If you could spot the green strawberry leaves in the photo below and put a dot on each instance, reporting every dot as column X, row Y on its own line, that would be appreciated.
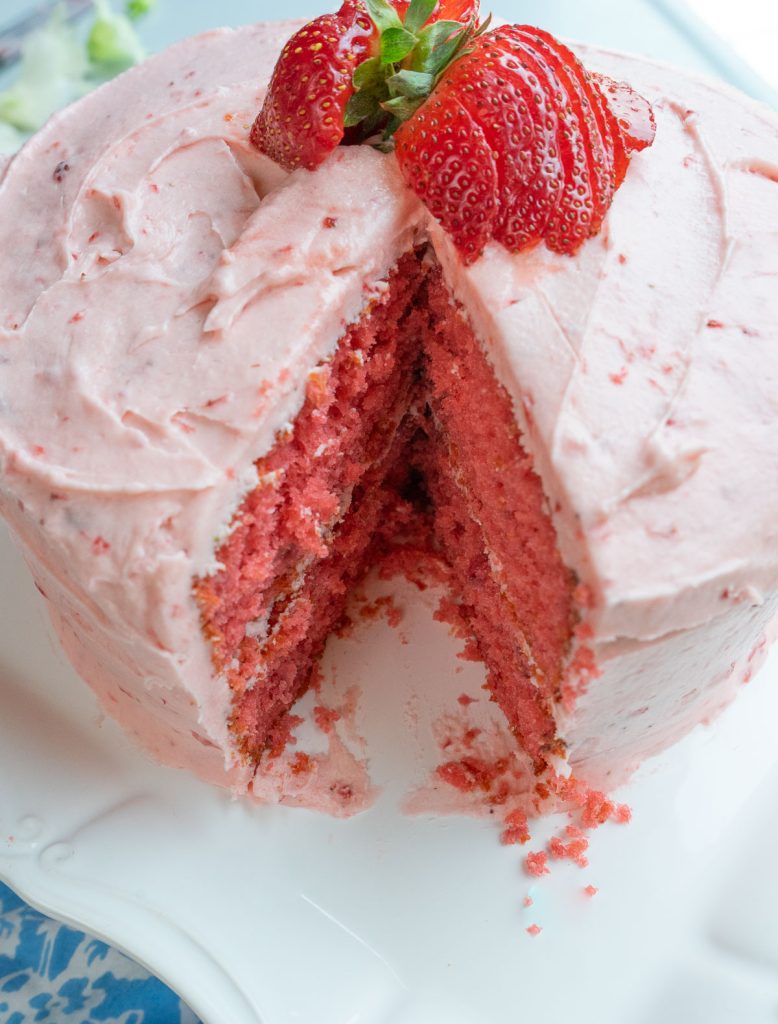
column 369, row 74
column 396, row 44
column 383, row 15
column 402, row 108
column 412, row 84
column 361, row 107
column 390, row 88
column 438, row 44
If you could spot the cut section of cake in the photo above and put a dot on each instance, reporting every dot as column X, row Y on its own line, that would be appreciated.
column 225, row 387
column 303, row 537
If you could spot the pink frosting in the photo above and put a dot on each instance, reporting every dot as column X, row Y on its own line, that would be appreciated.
column 168, row 298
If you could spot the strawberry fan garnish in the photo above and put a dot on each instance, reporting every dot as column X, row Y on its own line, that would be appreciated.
column 503, row 134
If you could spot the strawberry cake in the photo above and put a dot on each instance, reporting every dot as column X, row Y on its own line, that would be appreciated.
column 238, row 359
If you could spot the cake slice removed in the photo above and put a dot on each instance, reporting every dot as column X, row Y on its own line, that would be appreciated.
column 409, row 390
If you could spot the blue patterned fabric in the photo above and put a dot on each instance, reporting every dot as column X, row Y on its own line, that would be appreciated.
column 53, row 974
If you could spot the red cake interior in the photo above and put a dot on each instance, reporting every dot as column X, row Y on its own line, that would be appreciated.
column 408, row 398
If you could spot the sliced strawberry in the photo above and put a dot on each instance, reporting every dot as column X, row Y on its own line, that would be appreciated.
column 559, row 141
column 446, row 156
column 520, row 126
column 620, row 155
column 595, row 131
column 526, row 217
column 633, row 113
column 569, row 223
column 301, row 121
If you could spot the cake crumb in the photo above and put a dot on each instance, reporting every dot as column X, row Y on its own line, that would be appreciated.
column 345, row 628
column 467, row 774
column 597, row 809
column 449, row 612
column 516, row 829
column 301, row 764
column 623, row 814
column 533, row 930
column 316, row 678
column 470, row 652
column 385, row 606
column 394, row 615
column 582, row 671
column 584, row 596
column 536, row 864
column 282, row 735
column 325, row 718
column 470, row 736
column 527, row 902
column 575, row 850
column 591, row 890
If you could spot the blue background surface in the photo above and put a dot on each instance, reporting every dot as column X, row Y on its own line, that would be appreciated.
column 50, row 972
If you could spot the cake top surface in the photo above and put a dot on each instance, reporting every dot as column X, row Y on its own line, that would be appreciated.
column 171, row 290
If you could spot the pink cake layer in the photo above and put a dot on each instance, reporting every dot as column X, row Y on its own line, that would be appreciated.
column 301, row 538
column 491, row 521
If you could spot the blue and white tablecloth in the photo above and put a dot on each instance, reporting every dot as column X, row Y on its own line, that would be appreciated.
column 53, row 974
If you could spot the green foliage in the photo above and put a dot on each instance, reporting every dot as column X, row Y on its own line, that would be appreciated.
column 390, row 88
column 360, row 107
column 412, row 84
column 402, row 107
column 136, row 9
column 53, row 72
column 396, row 44
column 112, row 44
column 56, row 67
column 437, row 46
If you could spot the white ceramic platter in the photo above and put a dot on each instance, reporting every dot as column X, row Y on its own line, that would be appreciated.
column 275, row 914
column 283, row 916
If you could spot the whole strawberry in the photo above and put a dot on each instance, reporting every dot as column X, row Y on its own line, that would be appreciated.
column 302, row 118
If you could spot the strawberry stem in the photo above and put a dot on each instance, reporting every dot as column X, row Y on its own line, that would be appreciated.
column 390, row 88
